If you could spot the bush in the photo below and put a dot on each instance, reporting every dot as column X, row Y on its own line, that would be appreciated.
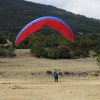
column 98, row 58
column 7, row 52
column 53, row 53
column 60, row 73
column 96, row 75
column 3, row 40
column 38, row 50
column 2, row 52
column 64, row 53
column 49, row 72
column 10, row 51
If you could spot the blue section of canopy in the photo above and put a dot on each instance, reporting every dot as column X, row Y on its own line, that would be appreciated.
column 44, row 18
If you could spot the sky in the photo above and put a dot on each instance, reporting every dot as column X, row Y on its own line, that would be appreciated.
column 88, row 8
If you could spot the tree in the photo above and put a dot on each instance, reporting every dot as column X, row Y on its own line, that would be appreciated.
column 2, row 52
column 98, row 58
column 38, row 50
column 11, row 51
column 64, row 52
column 53, row 53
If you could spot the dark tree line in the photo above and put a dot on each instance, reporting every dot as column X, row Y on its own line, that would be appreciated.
column 54, row 45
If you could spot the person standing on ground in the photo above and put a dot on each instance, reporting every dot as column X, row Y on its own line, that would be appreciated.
column 56, row 76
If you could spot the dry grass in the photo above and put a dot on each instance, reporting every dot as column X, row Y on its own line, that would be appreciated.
column 24, row 78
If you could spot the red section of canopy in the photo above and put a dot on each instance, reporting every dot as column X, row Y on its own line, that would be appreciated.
column 56, row 25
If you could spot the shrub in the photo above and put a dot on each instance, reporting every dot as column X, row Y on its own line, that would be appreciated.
column 98, row 58
column 10, row 51
column 38, row 50
column 64, row 52
column 53, row 53
column 96, row 75
column 49, row 72
column 2, row 53
column 60, row 73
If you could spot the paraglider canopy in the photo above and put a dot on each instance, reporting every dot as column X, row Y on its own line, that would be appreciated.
column 52, row 22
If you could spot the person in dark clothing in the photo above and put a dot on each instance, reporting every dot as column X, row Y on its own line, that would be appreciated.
column 56, row 76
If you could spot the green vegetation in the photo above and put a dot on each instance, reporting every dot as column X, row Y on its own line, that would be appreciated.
column 55, row 46
column 2, row 53
column 7, row 52
column 98, row 58
column 47, row 43
column 60, row 73
column 49, row 72
column 15, row 14
column 96, row 75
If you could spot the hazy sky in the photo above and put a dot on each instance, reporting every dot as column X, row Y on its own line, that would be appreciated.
column 88, row 8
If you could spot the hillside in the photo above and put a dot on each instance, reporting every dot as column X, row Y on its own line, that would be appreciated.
column 14, row 14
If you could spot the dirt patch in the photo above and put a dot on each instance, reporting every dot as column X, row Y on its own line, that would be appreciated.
column 23, row 53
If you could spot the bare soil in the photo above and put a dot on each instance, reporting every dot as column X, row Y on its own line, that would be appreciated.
column 25, row 77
